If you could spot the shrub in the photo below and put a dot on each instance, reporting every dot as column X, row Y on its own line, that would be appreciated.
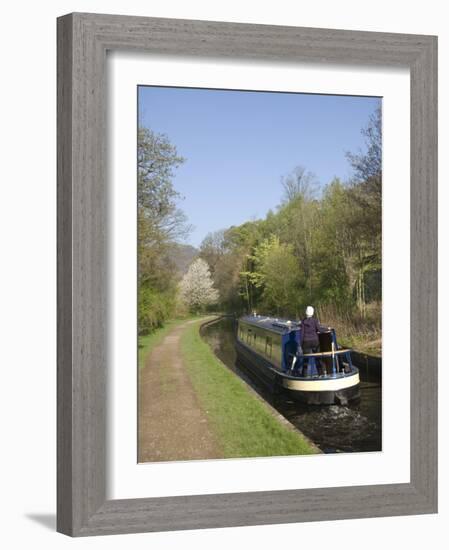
column 154, row 308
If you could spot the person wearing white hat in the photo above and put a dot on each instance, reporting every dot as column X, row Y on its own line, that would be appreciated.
column 310, row 311
column 309, row 333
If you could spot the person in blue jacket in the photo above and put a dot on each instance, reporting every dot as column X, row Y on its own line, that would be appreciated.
column 291, row 350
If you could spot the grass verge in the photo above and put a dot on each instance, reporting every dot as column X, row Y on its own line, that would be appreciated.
column 242, row 424
column 361, row 334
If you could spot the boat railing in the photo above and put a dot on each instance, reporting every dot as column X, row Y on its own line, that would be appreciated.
column 309, row 361
column 327, row 353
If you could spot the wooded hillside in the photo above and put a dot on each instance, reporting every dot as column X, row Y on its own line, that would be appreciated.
column 320, row 246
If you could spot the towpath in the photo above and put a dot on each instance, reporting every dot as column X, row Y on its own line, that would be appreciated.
column 172, row 425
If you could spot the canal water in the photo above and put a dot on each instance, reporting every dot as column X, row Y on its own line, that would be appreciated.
column 335, row 428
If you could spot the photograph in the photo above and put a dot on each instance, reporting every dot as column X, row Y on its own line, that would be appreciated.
column 259, row 239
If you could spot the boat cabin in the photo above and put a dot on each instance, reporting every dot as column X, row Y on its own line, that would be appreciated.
column 276, row 340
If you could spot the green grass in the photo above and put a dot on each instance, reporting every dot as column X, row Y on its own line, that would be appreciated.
column 242, row 423
column 360, row 334
column 148, row 342
column 362, row 344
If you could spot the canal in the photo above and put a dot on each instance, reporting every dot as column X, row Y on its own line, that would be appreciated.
column 335, row 428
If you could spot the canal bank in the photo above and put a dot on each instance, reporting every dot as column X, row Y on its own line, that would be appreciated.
column 370, row 365
column 353, row 428
column 192, row 407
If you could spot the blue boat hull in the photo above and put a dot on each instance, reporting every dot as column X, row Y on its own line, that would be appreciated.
column 324, row 390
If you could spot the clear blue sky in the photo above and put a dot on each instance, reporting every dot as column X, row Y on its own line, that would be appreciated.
column 238, row 145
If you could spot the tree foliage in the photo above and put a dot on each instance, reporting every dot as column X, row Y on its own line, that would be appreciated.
column 196, row 287
column 276, row 272
column 321, row 248
column 321, row 245
column 160, row 225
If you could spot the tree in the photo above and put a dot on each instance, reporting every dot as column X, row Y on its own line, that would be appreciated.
column 299, row 183
column 276, row 272
column 160, row 224
column 366, row 195
column 156, row 160
column 335, row 243
column 366, row 188
column 212, row 249
column 160, row 219
column 298, row 218
column 196, row 287
column 368, row 166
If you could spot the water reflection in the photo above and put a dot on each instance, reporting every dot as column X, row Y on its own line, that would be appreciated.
column 335, row 428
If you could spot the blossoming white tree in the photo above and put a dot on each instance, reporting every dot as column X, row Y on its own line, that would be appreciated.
column 196, row 287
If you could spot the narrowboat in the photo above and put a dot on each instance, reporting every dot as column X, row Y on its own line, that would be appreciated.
column 264, row 345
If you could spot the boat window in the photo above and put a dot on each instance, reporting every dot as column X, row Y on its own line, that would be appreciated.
column 268, row 346
column 248, row 336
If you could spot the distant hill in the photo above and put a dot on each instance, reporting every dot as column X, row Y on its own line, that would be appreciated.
column 182, row 256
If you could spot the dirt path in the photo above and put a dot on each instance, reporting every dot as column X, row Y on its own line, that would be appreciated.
column 172, row 425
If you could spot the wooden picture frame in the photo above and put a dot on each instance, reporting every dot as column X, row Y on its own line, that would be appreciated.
column 83, row 40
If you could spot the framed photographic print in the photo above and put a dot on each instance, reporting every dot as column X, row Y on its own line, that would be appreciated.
column 246, row 274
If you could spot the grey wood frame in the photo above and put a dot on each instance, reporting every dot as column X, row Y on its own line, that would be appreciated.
column 83, row 40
